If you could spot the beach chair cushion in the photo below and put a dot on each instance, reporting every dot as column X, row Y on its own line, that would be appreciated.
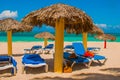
column 5, row 58
column 98, row 57
column 79, row 49
column 49, row 46
column 36, row 47
column 7, row 62
column 33, row 49
column 32, row 59
column 8, row 59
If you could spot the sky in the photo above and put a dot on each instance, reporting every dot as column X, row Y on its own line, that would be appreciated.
column 104, row 13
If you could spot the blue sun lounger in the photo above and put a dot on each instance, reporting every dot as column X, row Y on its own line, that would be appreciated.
column 34, row 48
column 78, row 59
column 8, row 62
column 70, row 47
column 48, row 48
column 80, row 51
column 33, row 61
column 93, row 48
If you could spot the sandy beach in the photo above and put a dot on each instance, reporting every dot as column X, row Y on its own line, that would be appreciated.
column 109, row 71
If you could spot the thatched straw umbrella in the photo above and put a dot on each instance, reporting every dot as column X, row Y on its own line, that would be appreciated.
column 105, row 37
column 10, row 25
column 95, row 30
column 45, row 35
column 61, row 17
column 73, row 18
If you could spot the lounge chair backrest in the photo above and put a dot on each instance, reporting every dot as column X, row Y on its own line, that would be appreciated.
column 69, row 47
column 36, row 47
column 78, row 48
column 8, row 59
column 5, row 58
column 49, row 46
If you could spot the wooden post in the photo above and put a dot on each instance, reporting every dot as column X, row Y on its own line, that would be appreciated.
column 59, row 42
column 9, row 37
column 45, row 42
column 85, row 40
column 105, row 43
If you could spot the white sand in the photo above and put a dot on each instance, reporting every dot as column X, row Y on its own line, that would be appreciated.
column 109, row 71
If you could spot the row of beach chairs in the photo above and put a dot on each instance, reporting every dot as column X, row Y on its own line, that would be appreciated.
column 39, row 49
column 35, row 60
column 28, row 60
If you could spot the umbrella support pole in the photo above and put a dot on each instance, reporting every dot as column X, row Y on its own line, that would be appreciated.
column 9, row 37
column 85, row 40
column 45, row 42
column 59, row 42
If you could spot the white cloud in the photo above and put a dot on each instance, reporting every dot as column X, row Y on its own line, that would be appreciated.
column 109, row 28
column 101, row 25
column 8, row 14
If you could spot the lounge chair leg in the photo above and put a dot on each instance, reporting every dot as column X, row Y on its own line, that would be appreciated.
column 15, row 71
column 105, row 61
column 41, row 51
column 46, row 68
column 99, row 61
column 89, row 64
column 73, row 64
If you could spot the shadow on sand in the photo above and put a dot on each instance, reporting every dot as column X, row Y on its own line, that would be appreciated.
column 88, row 76
column 5, row 73
column 98, row 76
column 52, row 78
column 114, row 70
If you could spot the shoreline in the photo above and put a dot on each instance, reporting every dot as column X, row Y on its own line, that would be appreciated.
column 66, row 38
column 54, row 41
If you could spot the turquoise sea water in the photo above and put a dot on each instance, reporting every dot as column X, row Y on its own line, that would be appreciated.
column 29, row 37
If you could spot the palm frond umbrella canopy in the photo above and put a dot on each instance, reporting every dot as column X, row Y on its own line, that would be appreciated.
column 10, row 25
column 95, row 30
column 60, row 16
column 105, row 37
column 74, row 18
column 45, row 35
column 13, row 25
